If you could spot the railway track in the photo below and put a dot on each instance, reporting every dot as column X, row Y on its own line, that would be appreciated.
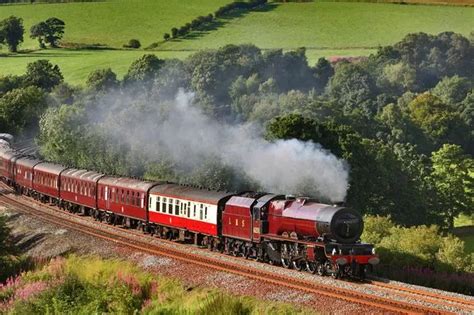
column 426, row 295
column 138, row 241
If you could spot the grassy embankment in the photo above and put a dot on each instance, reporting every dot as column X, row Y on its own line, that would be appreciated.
column 325, row 28
column 94, row 286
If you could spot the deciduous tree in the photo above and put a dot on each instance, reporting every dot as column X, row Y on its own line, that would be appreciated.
column 11, row 32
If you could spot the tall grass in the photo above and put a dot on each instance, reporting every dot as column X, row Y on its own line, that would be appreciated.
column 88, row 285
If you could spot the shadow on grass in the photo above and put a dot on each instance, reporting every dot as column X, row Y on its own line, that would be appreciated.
column 221, row 22
column 47, row 53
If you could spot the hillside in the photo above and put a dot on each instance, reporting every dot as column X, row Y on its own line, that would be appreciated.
column 113, row 22
column 340, row 28
column 324, row 28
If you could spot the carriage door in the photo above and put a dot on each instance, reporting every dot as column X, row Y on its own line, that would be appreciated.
column 256, row 224
column 107, row 197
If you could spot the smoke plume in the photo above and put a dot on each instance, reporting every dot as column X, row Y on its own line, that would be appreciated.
column 190, row 137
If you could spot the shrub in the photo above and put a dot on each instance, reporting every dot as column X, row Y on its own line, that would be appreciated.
column 133, row 43
column 166, row 36
column 174, row 32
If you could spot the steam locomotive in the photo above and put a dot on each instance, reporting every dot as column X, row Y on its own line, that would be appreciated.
column 298, row 233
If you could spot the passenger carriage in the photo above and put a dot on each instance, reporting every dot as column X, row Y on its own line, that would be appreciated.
column 123, row 200
column 191, row 212
column 6, row 163
column 46, row 181
column 79, row 190
column 23, row 171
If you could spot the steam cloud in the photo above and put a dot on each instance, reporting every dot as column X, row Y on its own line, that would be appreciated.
column 284, row 166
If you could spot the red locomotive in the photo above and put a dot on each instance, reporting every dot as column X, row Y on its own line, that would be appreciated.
column 297, row 233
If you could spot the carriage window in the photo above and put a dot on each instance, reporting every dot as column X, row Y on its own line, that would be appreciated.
column 157, row 204
column 176, row 207
column 194, row 211
column 200, row 212
column 189, row 209
column 205, row 213
column 170, row 206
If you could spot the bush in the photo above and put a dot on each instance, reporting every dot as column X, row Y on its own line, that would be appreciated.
column 166, row 36
column 174, row 32
column 93, row 286
column 133, row 43
column 420, row 255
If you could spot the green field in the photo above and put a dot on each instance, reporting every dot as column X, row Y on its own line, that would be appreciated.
column 325, row 28
column 77, row 64
column 113, row 22
column 326, row 25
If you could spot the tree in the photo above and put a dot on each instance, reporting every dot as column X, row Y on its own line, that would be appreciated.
column 166, row 36
column 10, row 82
column 102, row 80
column 21, row 109
column 55, row 31
column 174, row 32
column 11, row 32
column 133, row 43
column 49, row 31
column 353, row 88
column 452, row 90
column 323, row 71
column 436, row 118
column 43, row 74
column 143, row 69
column 38, row 31
column 453, row 177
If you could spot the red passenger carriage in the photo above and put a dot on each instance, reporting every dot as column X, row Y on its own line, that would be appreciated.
column 7, row 156
column 23, row 173
column 123, row 200
column 46, row 181
column 79, row 189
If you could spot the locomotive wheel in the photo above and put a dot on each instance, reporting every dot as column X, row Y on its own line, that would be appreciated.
column 336, row 274
column 321, row 269
column 297, row 264
column 311, row 267
column 285, row 262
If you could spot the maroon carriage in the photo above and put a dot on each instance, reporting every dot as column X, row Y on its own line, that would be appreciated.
column 46, row 178
column 23, row 171
column 7, row 155
column 187, row 208
column 79, row 189
column 123, row 200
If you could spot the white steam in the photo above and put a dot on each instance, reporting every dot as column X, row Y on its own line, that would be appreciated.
column 284, row 166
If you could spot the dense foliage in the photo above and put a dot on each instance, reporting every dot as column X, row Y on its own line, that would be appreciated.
column 402, row 118
column 419, row 252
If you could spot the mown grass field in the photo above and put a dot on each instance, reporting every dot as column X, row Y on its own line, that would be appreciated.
column 77, row 64
column 325, row 28
column 333, row 25
column 113, row 22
